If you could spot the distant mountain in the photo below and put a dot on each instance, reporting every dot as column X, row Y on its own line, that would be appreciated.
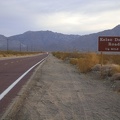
column 45, row 40
column 52, row 41
column 90, row 42
column 3, row 42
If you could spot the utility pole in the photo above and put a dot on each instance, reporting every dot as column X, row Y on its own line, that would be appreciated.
column 7, row 45
column 27, row 48
column 20, row 47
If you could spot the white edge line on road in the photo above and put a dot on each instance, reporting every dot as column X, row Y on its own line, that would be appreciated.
column 14, row 83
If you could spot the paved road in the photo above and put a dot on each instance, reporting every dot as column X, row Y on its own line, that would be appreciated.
column 10, row 71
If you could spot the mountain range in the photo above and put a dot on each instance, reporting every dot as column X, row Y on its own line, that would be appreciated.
column 53, row 41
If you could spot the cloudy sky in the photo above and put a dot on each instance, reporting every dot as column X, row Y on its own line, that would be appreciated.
column 64, row 16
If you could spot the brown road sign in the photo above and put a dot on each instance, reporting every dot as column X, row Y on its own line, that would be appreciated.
column 109, row 43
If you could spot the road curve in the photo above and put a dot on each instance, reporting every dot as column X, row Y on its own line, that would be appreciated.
column 15, row 71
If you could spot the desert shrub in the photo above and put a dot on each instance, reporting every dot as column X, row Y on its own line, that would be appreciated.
column 115, row 69
column 57, row 54
column 116, row 76
column 65, row 56
column 82, row 65
column 61, row 55
column 86, row 63
column 96, row 67
column 74, row 61
column 108, row 69
column 116, row 79
column 4, row 55
column 75, row 54
column 111, row 59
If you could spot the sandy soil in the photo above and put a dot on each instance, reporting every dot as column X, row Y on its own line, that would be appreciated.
column 61, row 93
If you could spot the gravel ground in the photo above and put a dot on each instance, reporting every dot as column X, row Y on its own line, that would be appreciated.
column 61, row 93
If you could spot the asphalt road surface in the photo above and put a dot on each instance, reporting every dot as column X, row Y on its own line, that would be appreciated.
column 10, row 71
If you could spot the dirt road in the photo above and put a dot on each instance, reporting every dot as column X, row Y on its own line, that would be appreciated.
column 61, row 93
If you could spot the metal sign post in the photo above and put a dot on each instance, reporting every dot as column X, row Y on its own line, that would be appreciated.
column 101, row 64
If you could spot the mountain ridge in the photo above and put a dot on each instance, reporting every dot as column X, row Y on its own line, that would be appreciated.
column 53, row 41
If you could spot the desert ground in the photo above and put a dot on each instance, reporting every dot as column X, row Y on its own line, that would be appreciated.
column 62, row 93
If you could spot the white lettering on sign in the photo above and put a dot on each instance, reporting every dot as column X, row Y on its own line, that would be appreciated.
column 113, row 44
column 109, row 43
column 117, row 39
column 106, row 39
column 114, row 49
column 107, row 49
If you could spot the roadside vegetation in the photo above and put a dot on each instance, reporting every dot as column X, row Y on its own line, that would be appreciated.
column 87, row 62
column 15, row 53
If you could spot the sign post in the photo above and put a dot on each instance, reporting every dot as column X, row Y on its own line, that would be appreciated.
column 108, row 44
column 101, row 62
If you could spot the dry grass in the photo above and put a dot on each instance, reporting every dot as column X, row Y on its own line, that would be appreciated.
column 74, row 61
column 15, row 53
column 85, row 64
column 86, row 61
column 111, row 59
column 61, row 55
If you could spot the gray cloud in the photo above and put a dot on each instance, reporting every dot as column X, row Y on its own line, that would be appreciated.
column 66, row 16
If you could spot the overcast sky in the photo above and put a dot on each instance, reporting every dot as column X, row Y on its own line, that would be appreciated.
column 64, row 16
